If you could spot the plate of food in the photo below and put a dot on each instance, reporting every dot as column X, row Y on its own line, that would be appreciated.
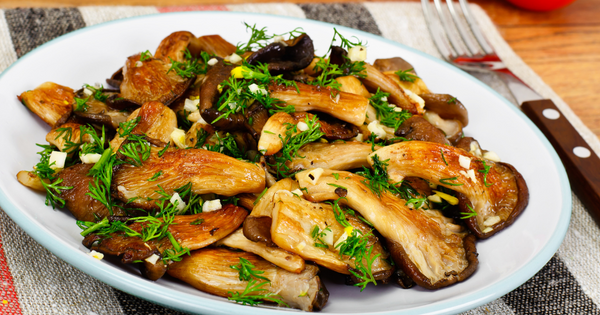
column 232, row 162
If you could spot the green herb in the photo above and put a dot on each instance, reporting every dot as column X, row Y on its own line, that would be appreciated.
column 355, row 246
column 452, row 100
column 155, row 176
column 164, row 150
column 191, row 67
column 137, row 151
column 81, row 105
column 228, row 146
column 485, row 171
column 470, row 214
column 336, row 176
column 337, row 186
column 376, row 178
column 52, row 190
column 261, row 195
column 417, row 202
column 197, row 222
column 102, row 172
column 292, row 142
column 345, row 42
column 406, row 75
column 201, row 137
column 125, row 128
column 67, row 134
column 317, row 235
column 445, row 181
column 254, row 293
column 98, row 95
column 259, row 38
column 146, row 55
column 443, row 158
column 386, row 114
column 175, row 253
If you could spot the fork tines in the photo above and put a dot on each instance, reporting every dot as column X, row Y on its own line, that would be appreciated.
column 454, row 31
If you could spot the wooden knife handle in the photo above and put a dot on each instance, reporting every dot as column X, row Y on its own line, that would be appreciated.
column 584, row 172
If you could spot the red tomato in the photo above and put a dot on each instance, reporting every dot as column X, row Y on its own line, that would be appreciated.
column 540, row 5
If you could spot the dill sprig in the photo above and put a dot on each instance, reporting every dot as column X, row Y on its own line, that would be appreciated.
column 259, row 38
column 406, row 75
column 293, row 141
column 254, row 293
column 386, row 114
column 355, row 246
column 317, row 235
column 485, row 171
column 191, row 67
column 137, row 151
column 471, row 213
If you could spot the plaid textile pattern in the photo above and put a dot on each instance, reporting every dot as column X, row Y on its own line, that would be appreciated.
column 568, row 284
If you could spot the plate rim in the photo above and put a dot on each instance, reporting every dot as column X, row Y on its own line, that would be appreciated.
column 151, row 290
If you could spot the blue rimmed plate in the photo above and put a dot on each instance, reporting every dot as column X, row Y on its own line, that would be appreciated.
column 92, row 54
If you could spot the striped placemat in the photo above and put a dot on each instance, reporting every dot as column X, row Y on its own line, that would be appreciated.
column 33, row 281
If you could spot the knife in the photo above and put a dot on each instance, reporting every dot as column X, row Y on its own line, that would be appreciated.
column 580, row 161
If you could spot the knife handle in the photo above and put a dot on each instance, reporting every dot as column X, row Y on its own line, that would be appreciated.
column 584, row 172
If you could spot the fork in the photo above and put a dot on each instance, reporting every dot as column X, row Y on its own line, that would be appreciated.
column 461, row 43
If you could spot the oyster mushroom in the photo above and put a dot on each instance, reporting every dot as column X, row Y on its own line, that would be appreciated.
column 428, row 250
column 173, row 47
column 49, row 101
column 417, row 128
column 279, row 257
column 344, row 106
column 336, row 156
column 375, row 79
column 209, row 270
column 295, row 219
column 257, row 226
column 292, row 55
column 151, row 80
column 207, row 171
column 215, row 45
column 496, row 192
column 214, row 226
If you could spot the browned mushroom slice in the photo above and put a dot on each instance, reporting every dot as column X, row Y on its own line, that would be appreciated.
column 31, row 180
column 199, row 135
column 67, row 137
column 496, row 192
column 446, row 106
column 209, row 270
column 375, row 79
column 151, row 80
column 345, row 106
column 99, row 113
column 333, row 128
column 276, row 126
column 209, row 172
column 351, row 84
column 50, row 101
column 173, row 47
column 428, row 250
column 154, row 120
column 257, row 226
column 336, row 156
column 417, row 128
column 77, row 201
column 191, row 231
column 215, row 45
column 293, row 55
column 279, row 257
column 209, row 91
column 295, row 219
column 392, row 64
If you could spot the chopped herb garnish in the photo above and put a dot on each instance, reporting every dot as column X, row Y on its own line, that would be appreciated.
column 443, row 158
column 445, row 181
column 317, row 235
column 155, row 176
column 386, row 114
column 259, row 38
column 81, row 104
column 406, row 75
column 254, row 293
column 197, row 221
column 146, row 55
column 466, row 215
column 485, row 171
column 452, row 100
column 126, row 127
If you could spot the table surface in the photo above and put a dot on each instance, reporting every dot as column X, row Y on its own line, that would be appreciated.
column 562, row 46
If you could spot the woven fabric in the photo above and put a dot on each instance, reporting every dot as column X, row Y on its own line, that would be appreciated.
column 36, row 282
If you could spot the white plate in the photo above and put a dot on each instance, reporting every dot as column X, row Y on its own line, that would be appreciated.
column 92, row 54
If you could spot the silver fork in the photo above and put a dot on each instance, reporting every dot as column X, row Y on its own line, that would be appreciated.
column 460, row 42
